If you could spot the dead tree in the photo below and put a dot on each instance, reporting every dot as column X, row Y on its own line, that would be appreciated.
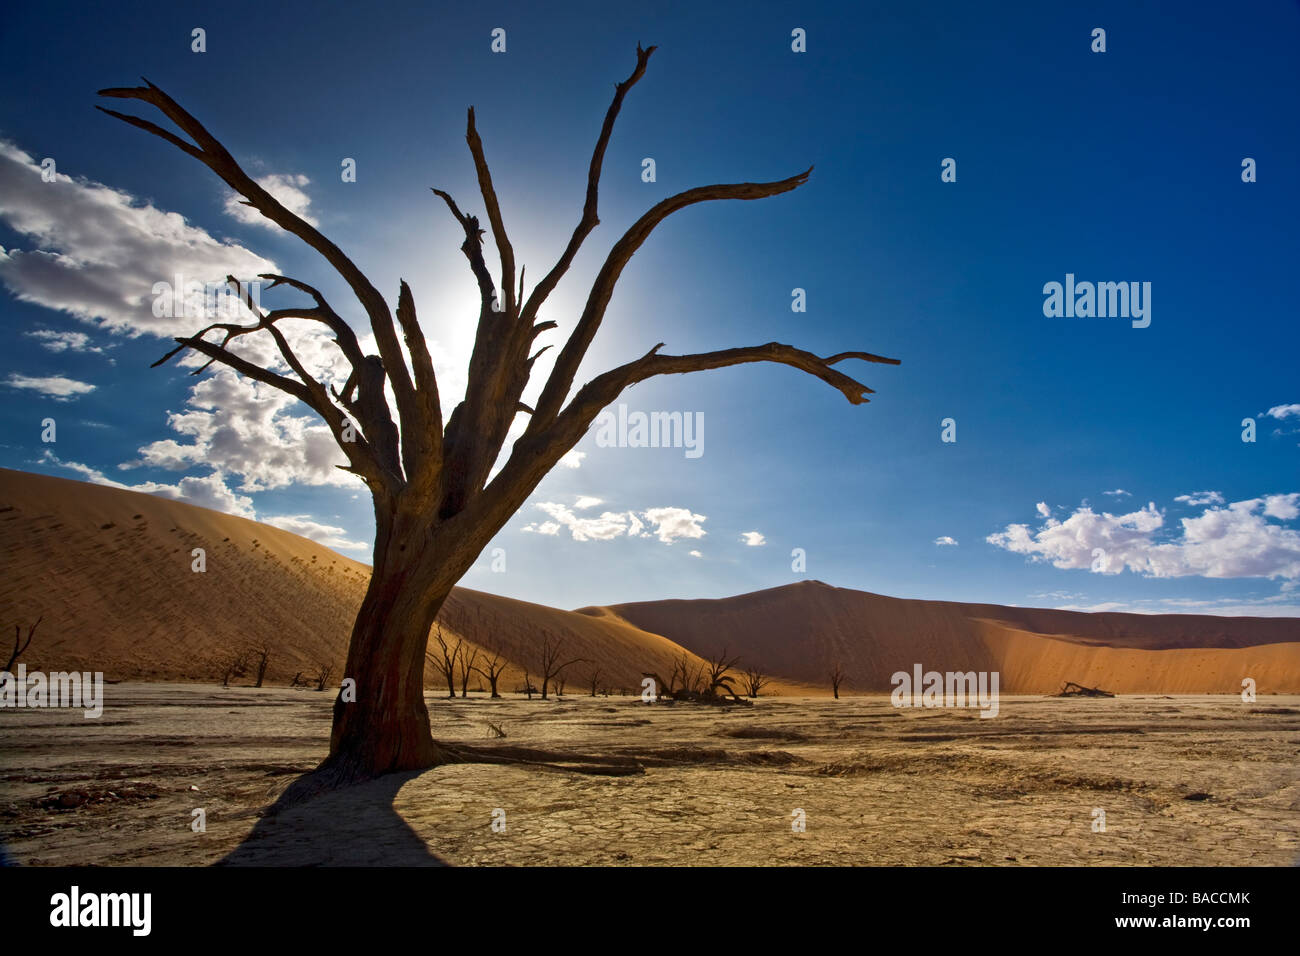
column 438, row 500
column 685, row 676
column 659, row 690
column 323, row 673
column 528, row 684
column 444, row 661
column 263, row 655
column 754, row 682
column 718, row 676
column 593, row 679
column 1071, row 689
column 468, row 655
column 19, row 651
column 837, row 678
column 492, row 669
column 234, row 664
column 549, row 659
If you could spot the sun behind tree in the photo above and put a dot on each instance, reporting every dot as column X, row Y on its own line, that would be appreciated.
column 435, row 509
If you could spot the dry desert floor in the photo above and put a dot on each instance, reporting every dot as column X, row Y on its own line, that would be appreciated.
column 1181, row 780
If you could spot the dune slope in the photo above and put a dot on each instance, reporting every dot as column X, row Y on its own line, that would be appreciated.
column 801, row 630
column 110, row 573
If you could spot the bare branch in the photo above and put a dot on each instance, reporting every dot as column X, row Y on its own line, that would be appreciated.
column 575, row 348
column 655, row 364
column 472, row 247
column 21, row 648
column 504, row 249
column 361, row 456
column 539, row 449
column 216, row 157
column 422, row 446
column 589, row 219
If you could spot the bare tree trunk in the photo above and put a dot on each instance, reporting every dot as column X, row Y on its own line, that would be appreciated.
column 386, row 727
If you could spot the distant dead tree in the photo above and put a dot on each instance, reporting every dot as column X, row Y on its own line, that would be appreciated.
column 683, row 679
column 593, row 679
column 837, row 678
column 492, row 669
column 445, row 659
column 559, row 685
column 549, row 658
column 234, row 663
column 718, row 675
column 685, row 676
column 262, row 655
column 439, row 497
column 708, row 683
column 298, row 680
column 528, row 687
column 754, row 681
column 468, row 655
column 19, row 651
column 1071, row 689
column 323, row 673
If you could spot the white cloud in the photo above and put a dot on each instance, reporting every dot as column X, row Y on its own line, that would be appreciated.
column 1043, row 510
column 666, row 524
column 669, row 524
column 57, row 387
column 247, row 428
column 695, row 554
column 1118, row 493
column 1283, row 411
column 608, row 525
column 286, row 188
column 753, row 539
column 1285, row 507
column 97, row 251
column 1225, row 607
column 206, row 492
column 63, row 341
column 587, row 501
column 946, row 541
column 325, row 534
column 1236, row 541
column 1197, row 498
column 573, row 459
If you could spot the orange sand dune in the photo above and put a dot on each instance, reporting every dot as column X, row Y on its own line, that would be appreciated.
column 800, row 630
column 110, row 571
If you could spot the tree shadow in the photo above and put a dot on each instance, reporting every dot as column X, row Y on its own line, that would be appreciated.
column 349, row 826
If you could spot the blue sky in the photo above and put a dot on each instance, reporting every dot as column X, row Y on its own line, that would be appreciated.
column 1117, row 166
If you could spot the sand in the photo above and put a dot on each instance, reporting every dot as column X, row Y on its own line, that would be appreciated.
column 1182, row 780
column 1185, row 770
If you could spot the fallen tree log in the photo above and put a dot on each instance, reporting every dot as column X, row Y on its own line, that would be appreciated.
column 1071, row 689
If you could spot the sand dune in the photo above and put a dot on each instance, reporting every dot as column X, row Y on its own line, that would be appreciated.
column 110, row 571
column 800, row 630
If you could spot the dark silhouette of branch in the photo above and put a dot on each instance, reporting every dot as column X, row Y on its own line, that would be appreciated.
column 20, row 650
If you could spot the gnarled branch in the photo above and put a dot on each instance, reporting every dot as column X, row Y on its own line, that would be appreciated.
column 575, row 348
column 590, row 219
column 208, row 150
column 504, row 249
